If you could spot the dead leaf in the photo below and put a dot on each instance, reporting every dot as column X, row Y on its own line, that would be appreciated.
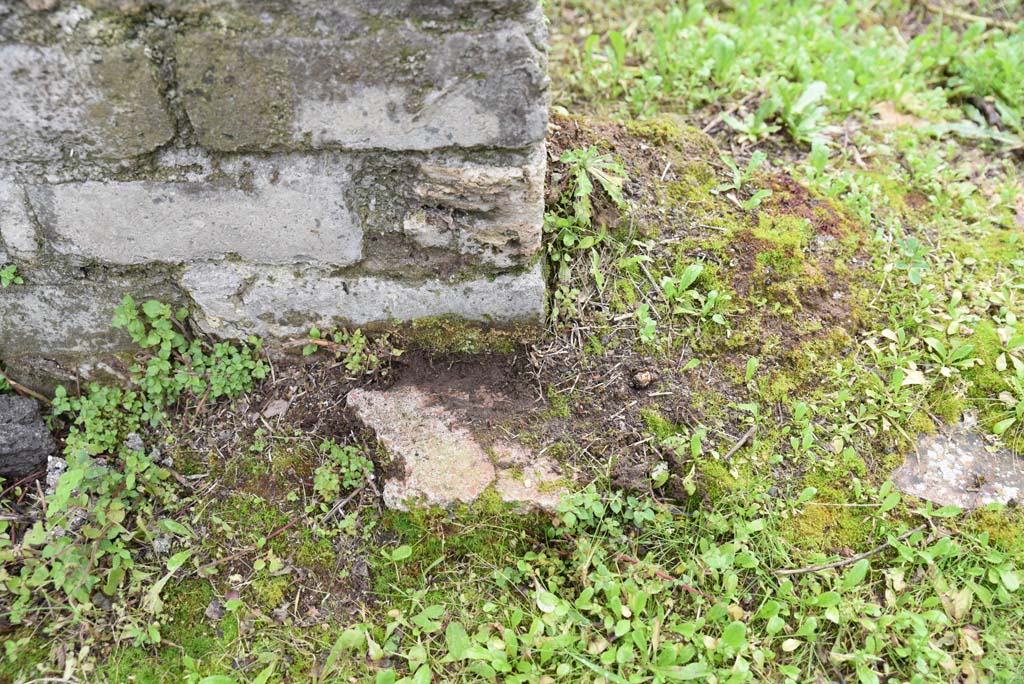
column 276, row 408
column 890, row 117
column 914, row 377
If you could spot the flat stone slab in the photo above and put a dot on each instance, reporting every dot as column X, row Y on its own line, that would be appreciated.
column 440, row 462
column 956, row 467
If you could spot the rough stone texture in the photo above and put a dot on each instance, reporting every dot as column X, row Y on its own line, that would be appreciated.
column 956, row 467
column 437, row 461
column 92, row 101
column 53, row 334
column 271, row 165
column 17, row 233
column 297, row 214
column 25, row 442
column 237, row 300
column 494, row 212
column 463, row 89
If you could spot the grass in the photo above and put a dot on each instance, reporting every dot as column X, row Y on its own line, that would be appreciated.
column 831, row 268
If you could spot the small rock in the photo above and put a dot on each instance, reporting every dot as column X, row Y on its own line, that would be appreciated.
column 134, row 442
column 162, row 545
column 441, row 462
column 55, row 467
column 214, row 611
column 25, row 441
column 101, row 601
column 643, row 379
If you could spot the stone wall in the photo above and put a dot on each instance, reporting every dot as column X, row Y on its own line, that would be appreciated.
column 271, row 164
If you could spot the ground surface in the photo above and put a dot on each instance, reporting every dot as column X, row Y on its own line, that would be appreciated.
column 815, row 265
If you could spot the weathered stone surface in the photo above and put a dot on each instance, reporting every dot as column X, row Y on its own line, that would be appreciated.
column 25, row 442
column 237, row 300
column 288, row 211
column 956, row 467
column 52, row 334
column 62, row 318
column 495, row 213
column 17, row 233
column 272, row 165
column 326, row 10
column 101, row 102
column 438, row 461
column 465, row 89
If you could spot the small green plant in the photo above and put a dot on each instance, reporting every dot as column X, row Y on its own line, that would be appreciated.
column 740, row 177
column 755, row 126
column 913, row 259
column 343, row 468
column 173, row 365
column 585, row 167
column 113, row 496
column 9, row 276
column 1012, row 399
column 800, row 109
column 361, row 355
column 570, row 226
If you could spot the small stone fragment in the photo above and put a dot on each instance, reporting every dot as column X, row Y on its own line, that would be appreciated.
column 214, row 611
column 442, row 463
column 25, row 441
column 642, row 379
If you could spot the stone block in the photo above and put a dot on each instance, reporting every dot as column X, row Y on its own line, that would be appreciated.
column 71, row 317
column 428, row 442
column 91, row 102
column 235, row 300
column 267, row 211
column 404, row 89
column 61, row 333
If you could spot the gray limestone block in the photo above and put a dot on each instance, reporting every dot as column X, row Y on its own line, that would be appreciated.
column 408, row 89
column 267, row 211
column 89, row 102
column 25, row 441
column 60, row 333
column 235, row 300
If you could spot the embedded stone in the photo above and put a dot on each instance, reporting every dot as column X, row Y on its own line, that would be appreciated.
column 239, row 300
column 25, row 441
column 957, row 467
column 437, row 460
column 291, row 92
column 17, row 233
column 495, row 213
column 284, row 212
